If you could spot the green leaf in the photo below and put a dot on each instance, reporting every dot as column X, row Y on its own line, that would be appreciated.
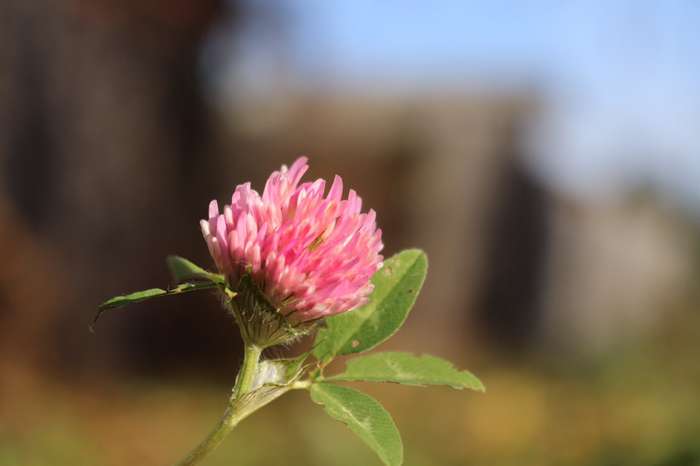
column 364, row 416
column 138, row 296
column 396, row 286
column 408, row 369
column 184, row 270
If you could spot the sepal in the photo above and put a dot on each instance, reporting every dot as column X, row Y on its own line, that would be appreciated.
column 260, row 322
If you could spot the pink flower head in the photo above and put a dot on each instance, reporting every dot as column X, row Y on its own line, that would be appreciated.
column 312, row 254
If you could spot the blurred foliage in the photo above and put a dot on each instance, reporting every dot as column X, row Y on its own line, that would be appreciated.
column 635, row 406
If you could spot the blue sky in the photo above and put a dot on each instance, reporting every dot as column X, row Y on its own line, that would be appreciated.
column 621, row 80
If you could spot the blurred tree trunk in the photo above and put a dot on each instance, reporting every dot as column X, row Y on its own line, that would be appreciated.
column 105, row 148
column 510, row 301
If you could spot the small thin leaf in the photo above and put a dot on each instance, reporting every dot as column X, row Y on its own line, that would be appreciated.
column 138, row 296
column 364, row 416
column 396, row 286
column 132, row 298
column 408, row 369
column 184, row 270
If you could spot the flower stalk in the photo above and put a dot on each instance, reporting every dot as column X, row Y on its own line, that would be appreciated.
column 234, row 412
column 244, row 382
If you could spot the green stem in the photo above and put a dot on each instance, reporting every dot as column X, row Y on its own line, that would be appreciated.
column 246, row 375
column 232, row 416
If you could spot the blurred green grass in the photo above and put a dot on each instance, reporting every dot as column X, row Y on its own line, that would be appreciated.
column 635, row 406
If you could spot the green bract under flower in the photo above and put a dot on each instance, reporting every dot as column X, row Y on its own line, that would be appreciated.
column 260, row 322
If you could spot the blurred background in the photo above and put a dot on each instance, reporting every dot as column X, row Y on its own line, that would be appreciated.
column 545, row 155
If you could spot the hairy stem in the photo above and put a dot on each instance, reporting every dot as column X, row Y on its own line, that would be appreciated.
column 232, row 416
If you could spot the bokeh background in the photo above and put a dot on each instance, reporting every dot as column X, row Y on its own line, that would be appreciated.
column 545, row 154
